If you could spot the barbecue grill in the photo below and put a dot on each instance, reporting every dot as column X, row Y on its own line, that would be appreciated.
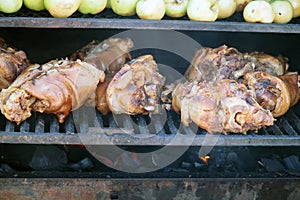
column 44, row 38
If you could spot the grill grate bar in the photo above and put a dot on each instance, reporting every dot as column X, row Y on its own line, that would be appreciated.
column 112, row 122
column 274, row 130
column 84, row 124
column 293, row 120
column 98, row 121
column 262, row 131
column 171, row 125
column 127, row 123
column 54, row 125
column 39, row 124
column 286, row 127
column 25, row 126
column 69, row 125
column 142, row 124
column 10, row 127
column 45, row 129
column 158, row 126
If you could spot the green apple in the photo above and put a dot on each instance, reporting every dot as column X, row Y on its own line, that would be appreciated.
column 226, row 8
column 36, row 5
column 176, row 8
column 283, row 11
column 92, row 6
column 258, row 11
column 10, row 6
column 62, row 8
column 108, row 5
column 124, row 7
column 296, row 7
column 203, row 10
column 151, row 9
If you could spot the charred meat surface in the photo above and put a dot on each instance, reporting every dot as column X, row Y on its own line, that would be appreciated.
column 276, row 94
column 12, row 63
column 228, row 63
column 221, row 107
column 56, row 87
column 136, row 88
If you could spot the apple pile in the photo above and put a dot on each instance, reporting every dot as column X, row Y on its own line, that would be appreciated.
column 269, row 11
column 57, row 8
column 263, row 11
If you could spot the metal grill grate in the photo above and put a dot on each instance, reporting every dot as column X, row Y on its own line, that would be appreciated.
column 136, row 130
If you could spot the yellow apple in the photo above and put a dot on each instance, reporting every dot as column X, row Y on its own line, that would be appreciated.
column 124, row 7
column 176, row 8
column 36, row 5
column 203, row 10
column 296, row 7
column 259, row 11
column 10, row 6
column 61, row 8
column 92, row 6
column 226, row 8
column 283, row 11
column 151, row 9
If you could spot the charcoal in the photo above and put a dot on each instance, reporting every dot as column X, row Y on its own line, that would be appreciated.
column 177, row 170
column 6, row 168
column 186, row 165
column 272, row 165
column 292, row 165
column 82, row 165
column 199, row 165
column 48, row 158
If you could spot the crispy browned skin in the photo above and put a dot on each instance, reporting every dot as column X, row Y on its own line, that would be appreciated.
column 109, row 55
column 136, row 87
column 56, row 87
column 276, row 94
column 227, row 62
column 12, row 63
column 101, row 101
column 291, row 80
column 220, row 107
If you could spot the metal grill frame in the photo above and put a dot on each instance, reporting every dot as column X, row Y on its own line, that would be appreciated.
column 107, row 19
column 284, row 133
column 47, row 130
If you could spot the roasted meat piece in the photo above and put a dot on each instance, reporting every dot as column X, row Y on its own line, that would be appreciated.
column 12, row 63
column 56, row 87
column 135, row 89
column 221, row 107
column 228, row 63
column 276, row 94
column 108, row 55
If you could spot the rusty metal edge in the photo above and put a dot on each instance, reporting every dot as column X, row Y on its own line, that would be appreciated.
column 151, row 139
column 92, row 23
column 216, row 188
